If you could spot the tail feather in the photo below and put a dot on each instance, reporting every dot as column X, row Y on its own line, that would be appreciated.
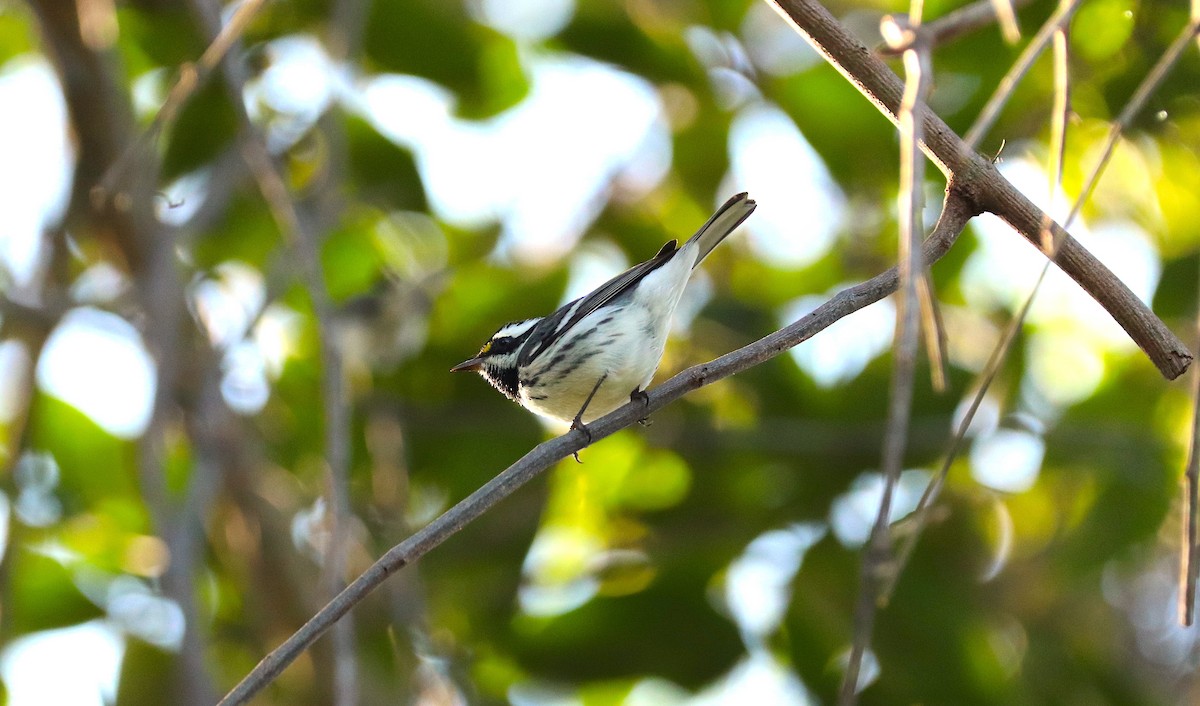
column 723, row 222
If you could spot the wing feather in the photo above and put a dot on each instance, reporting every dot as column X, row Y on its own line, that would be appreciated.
column 556, row 325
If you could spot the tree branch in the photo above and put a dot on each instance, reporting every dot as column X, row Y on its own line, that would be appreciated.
column 102, row 119
column 1189, row 550
column 879, row 559
column 955, row 215
column 963, row 21
column 303, row 236
column 1136, row 102
column 979, row 180
column 191, row 78
column 1008, row 84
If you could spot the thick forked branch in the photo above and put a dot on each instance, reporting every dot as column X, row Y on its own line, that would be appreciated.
column 981, row 182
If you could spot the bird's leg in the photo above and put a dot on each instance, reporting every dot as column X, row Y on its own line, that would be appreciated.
column 577, row 422
column 639, row 395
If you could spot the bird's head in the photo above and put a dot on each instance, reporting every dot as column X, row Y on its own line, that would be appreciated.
column 497, row 359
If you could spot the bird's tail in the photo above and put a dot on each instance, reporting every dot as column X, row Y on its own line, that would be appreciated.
column 727, row 218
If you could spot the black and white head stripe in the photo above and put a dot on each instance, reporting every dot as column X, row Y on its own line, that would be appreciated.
column 515, row 329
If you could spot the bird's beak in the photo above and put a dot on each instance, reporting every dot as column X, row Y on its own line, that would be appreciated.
column 472, row 365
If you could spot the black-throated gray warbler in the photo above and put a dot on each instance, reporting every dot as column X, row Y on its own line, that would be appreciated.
column 601, row 350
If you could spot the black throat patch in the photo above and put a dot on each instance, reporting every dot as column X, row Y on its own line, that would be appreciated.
column 503, row 378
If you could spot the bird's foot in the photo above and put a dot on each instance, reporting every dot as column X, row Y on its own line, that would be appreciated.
column 639, row 395
column 577, row 423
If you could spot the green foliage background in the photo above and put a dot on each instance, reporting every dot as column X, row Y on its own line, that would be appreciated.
column 664, row 509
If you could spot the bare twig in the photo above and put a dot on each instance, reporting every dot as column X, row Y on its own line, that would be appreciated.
column 102, row 118
column 31, row 325
column 987, row 117
column 1059, row 112
column 333, row 388
column 935, row 332
column 963, row 21
column 1135, row 105
column 877, row 561
column 957, row 213
column 921, row 513
column 978, row 178
column 1000, row 352
column 185, row 534
column 1189, row 551
column 302, row 238
column 1195, row 17
column 346, row 28
column 191, row 78
column 1006, row 15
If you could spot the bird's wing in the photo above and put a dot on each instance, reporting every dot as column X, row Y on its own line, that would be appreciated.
column 556, row 325
column 728, row 217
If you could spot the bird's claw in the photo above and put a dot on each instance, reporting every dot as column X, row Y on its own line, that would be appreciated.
column 577, row 424
column 639, row 395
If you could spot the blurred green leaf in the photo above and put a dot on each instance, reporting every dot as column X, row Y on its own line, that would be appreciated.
column 601, row 30
column 1102, row 28
column 16, row 33
column 145, row 674
column 382, row 171
column 438, row 41
column 247, row 233
column 350, row 262
column 206, row 125
column 94, row 466
column 159, row 38
column 43, row 595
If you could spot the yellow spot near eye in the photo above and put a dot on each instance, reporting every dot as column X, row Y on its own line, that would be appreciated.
column 486, row 347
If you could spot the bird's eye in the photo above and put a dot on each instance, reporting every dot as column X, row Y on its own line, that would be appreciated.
column 486, row 347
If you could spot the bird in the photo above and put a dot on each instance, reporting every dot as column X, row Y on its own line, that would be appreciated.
column 601, row 350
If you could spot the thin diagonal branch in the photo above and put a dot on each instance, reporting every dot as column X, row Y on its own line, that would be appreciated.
column 1006, row 16
column 957, row 212
column 1135, row 105
column 921, row 513
column 991, row 110
column 935, row 332
column 1059, row 113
